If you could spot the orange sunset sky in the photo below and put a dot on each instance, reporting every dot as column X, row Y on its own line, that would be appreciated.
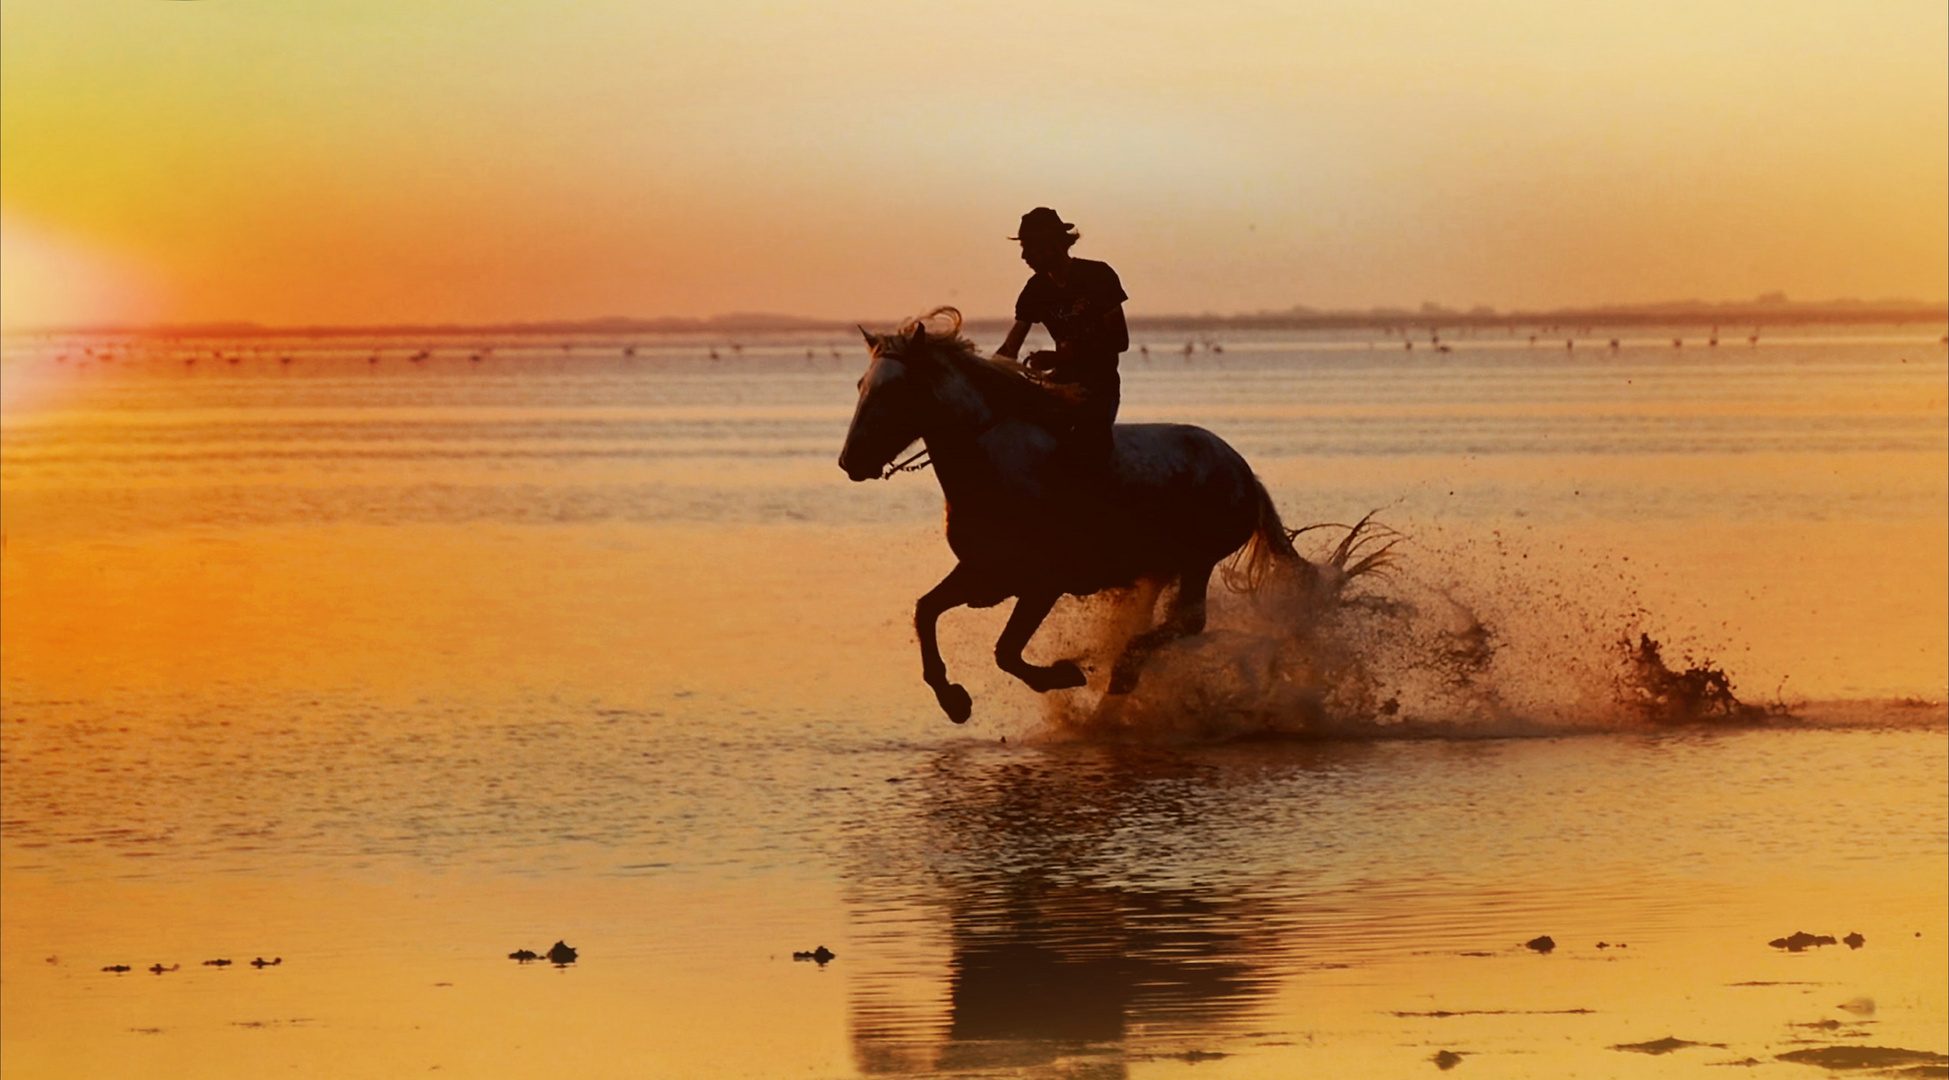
column 352, row 161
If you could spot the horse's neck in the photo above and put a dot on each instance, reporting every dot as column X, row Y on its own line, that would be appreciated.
column 959, row 418
column 967, row 441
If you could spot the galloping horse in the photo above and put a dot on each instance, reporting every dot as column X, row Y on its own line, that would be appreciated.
column 1024, row 523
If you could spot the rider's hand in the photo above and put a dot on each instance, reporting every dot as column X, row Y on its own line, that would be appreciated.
column 1041, row 359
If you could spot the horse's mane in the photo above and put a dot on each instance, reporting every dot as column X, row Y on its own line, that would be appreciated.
column 1019, row 389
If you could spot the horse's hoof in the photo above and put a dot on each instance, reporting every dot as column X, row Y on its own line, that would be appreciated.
column 955, row 702
column 1063, row 675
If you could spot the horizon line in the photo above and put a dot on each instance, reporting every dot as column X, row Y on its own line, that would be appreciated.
column 1774, row 307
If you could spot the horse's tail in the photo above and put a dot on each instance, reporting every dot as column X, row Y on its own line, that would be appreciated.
column 1269, row 546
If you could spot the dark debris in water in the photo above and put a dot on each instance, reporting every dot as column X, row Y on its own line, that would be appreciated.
column 1801, row 941
column 560, row 955
column 158, row 969
column 1540, row 944
column 1700, row 694
column 1663, row 1046
column 1442, row 1014
column 296, row 1021
column 1868, row 1057
column 820, row 956
column 1832, row 1025
column 1446, row 1060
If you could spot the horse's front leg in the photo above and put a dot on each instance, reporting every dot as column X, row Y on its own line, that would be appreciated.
column 953, row 591
column 1030, row 609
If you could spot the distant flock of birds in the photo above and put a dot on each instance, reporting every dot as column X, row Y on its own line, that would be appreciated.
column 107, row 353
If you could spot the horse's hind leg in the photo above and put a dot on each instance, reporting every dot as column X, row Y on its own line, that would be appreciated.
column 1030, row 610
column 953, row 591
column 1186, row 617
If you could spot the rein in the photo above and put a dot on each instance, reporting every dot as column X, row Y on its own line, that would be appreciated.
column 917, row 462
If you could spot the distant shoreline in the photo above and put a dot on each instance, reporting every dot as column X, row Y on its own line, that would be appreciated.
column 1732, row 316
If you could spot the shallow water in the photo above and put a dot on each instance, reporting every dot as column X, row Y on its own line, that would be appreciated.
column 388, row 669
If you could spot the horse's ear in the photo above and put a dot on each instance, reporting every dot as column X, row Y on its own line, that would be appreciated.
column 919, row 334
column 871, row 341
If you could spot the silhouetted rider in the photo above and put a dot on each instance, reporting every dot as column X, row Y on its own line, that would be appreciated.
column 1080, row 303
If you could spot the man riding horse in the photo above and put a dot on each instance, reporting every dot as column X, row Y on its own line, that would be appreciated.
column 1080, row 303
column 1042, row 505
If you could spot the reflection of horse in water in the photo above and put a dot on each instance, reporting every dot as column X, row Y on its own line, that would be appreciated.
column 1026, row 523
column 1011, row 937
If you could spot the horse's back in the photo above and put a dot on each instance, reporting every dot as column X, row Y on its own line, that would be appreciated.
column 1189, row 482
column 1172, row 455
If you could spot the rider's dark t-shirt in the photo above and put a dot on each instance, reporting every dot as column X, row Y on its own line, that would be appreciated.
column 1074, row 313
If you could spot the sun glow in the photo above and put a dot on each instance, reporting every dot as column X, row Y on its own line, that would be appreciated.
column 48, row 279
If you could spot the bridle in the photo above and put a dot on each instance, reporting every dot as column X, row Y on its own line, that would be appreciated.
column 917, row 462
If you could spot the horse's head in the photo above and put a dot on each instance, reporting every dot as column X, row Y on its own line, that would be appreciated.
column 894, row 396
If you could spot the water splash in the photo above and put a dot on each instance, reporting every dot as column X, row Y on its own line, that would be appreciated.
column 1450, row 643
column 1702, row 693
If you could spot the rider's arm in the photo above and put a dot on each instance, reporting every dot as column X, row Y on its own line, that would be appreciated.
column 1016, row 335
column 1115, row 332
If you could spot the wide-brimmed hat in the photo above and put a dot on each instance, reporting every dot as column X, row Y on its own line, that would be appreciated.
column 1042, row 223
